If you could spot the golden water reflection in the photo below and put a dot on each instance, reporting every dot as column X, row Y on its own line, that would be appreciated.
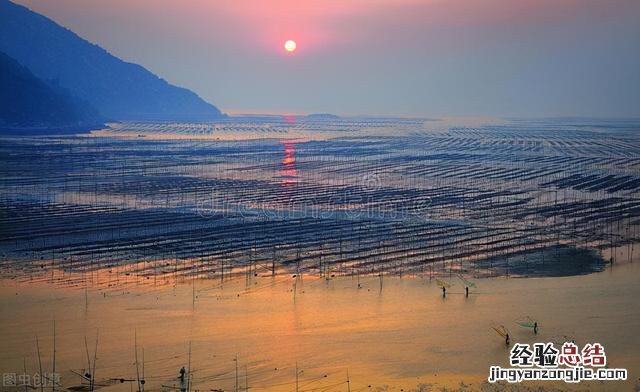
column 396, row 337
column 288, row 173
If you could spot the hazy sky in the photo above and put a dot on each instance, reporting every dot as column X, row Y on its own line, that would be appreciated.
column 412, row 57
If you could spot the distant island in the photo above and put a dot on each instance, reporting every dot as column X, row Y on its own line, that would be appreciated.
column 27, row 102
column 322, row 116
column 89, row 82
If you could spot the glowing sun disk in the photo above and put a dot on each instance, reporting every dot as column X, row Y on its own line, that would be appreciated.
column 290, row 46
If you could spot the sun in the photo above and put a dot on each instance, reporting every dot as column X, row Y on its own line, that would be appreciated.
column 290, row 46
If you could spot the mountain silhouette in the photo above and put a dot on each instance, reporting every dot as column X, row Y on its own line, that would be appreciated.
column 117, row 89
column 28, row 102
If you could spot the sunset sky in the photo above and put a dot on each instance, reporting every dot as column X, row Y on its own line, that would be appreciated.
column 403, row 57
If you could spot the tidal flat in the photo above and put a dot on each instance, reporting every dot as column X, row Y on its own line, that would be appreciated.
column 398, row 335
column 297, row 253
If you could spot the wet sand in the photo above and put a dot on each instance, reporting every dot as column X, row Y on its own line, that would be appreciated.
column 404, row 336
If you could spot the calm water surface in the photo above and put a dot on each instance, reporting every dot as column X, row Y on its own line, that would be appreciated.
column 402, row 336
